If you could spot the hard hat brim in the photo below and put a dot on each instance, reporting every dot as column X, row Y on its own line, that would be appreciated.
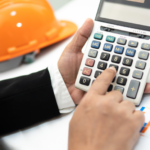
column 68, row 29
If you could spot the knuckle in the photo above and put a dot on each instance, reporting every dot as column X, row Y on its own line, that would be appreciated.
column 105, row 106
column 119, row 94
column 123, row 111
column 140, row 116
column 128, row 103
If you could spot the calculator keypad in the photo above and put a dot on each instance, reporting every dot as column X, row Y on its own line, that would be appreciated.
column 143, row 55
column 105, row 56
column 102, row 65
column 120, row 89
column 95, row 44
column 108, row 47
column 114, row 66
column 133, row 44
column 130, row 52
column 122, row 41
column 97, row 73
column 121, row 81
column 116, row 59
column 119, row 49
column 145, row 46
column 140, row 65
column 133, row 89
column 87, row 71
column 90, row 62
column 124, row 71
column 137, row 74
column 127, row 61
column 110, row 39
column 129, row 57
column 93, row 53
column 98, row 36
column 85, row 81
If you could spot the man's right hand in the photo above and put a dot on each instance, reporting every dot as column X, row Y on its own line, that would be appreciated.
column 104, row 121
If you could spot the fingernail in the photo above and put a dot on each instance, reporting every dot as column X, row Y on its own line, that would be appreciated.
column 113, row 68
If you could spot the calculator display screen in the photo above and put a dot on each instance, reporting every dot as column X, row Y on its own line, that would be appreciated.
column 131, row 13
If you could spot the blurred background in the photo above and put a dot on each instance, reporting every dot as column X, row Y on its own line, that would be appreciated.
column 56, row 4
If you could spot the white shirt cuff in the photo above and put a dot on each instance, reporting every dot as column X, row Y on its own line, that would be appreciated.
column 63, row 98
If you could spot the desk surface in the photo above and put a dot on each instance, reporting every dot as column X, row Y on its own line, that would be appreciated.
column 53, row 134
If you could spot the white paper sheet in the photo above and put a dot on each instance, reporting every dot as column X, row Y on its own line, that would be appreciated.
column 144, row 141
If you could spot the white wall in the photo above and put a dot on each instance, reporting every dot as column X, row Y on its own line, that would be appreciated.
column 56, row 4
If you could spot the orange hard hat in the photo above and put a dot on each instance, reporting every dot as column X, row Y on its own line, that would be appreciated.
column 29, row 25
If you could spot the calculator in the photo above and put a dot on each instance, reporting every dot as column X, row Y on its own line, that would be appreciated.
column 120, row 38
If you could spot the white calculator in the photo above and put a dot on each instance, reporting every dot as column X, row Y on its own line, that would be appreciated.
column 120, row 38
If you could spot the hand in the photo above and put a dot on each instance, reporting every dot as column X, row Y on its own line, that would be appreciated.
column 71, row 58
column 103, row 121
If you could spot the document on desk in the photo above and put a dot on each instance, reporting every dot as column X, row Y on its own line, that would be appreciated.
column 144, row 141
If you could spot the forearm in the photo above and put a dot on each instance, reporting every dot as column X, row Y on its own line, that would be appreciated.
column 26, row 101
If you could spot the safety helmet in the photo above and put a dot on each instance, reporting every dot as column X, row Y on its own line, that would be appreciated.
column 26, row 26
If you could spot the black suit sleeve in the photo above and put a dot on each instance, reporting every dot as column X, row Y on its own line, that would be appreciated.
column 26, row 101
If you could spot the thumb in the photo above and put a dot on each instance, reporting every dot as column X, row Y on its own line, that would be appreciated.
column 81, row 37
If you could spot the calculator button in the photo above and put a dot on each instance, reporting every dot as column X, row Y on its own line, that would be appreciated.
column 98, row 36
column 121, row 81
column 137, row 74
column 133, row 89
column 127, row 61
column 140, row 65
column 130, row 52
column 119, row 49
column 113, row 80
column 114, row 66
column 116, row 59
column 145, row 46
column 133, row 44
column 110, row 39
column 102, row 65
column 85, row 81
column 95, row 44
column 93, row 81
column 90, row 62
column 122, row 41
column 97, row 73
column 93, row 53
column 110, row 88
column 105, row 56
column 143, row 55
column 118, row 88
column 87, row 71
column 108, row 47
column 124, row 71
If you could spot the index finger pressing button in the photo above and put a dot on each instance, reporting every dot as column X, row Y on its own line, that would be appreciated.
column 102, row 83
column 116, row 67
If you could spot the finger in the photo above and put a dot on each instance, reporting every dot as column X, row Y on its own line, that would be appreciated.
column 147, row 88
column 140, row 119
column 103, row 81
column 115, row 96
column 129, row 105
column 81, row 37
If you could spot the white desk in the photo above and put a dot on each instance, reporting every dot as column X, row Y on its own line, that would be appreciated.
column 53, row 134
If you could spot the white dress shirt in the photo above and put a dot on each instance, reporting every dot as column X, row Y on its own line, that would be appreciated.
column 63, row 98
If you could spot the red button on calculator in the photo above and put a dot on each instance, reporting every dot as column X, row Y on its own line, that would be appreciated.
column 87, row 71
column 90, row 62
